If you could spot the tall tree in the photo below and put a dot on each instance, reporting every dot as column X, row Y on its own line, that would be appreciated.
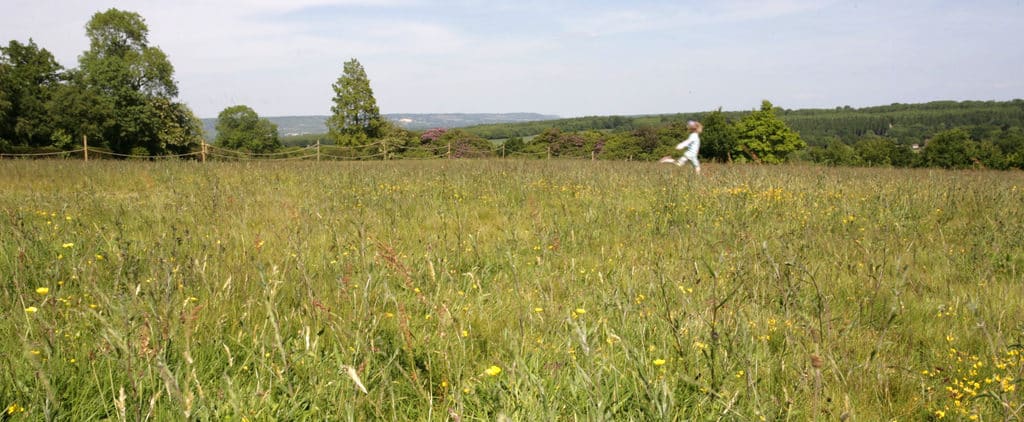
column 836, row 153
column 77, row 111
column 763, row 137
column 949, row 149
column 29, row 76
column 718, row 139
column 356, row 117
column 1011, row 141
column 179, row 128
column 5, row 110
column 239, row 127
column 875, row 150
column 133, row 85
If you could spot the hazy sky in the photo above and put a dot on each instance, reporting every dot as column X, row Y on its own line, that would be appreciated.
column 569, row 58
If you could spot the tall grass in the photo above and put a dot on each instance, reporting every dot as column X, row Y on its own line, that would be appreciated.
column 537, row 290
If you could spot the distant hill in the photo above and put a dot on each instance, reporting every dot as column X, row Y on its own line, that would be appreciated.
column 300, row 125
column 452, row 120
column 904, row 123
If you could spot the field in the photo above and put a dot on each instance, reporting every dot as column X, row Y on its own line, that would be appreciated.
column 508, row 290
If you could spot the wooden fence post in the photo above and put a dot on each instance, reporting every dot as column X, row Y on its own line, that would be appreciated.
column 318, row 150
column 85, row 147
column 202, row 150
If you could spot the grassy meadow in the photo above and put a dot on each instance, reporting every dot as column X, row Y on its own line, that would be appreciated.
column 508, row 290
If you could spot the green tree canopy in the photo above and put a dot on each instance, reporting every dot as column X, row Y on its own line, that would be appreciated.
column 875, row 150
column 133, row 88
column 718, row 140
column 763, row 137
column 949, row 149
column 29, row 76
column 355, row 117
column 835, row 153
column 239, row 127
column 5, row 113
column 513, row 144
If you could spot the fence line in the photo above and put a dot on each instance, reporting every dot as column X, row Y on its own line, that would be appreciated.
column 317, row 152
column 431, row 157
column 248, row 157
column 296, row 158
column 187, row 154
column 421, row 148
column 257, row 154
column 40, row 154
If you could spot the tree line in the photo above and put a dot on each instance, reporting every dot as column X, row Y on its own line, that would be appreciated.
column 947, row 134
column 122, row 97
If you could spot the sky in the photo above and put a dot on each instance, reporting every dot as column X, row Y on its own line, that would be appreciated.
column 561, row 57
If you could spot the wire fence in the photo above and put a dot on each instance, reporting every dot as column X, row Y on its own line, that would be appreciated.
column 373, row 151
column 41, row 154
column 114, row 154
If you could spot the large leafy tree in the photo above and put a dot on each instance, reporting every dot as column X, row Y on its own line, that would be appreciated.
column 29, row 76
column 949, row 149
column 718, row 140
column 1011, row 141
column 621, row 146
column 395, row 140
column 668, row 136
column 77, row 111
column 643, row 144
column 5, row 110
column 355, row 117
column 835, row 153
column 239, row 127
column 762, row 136
column 875, row 150
column 131, row 87
column 179, row 129
column 558, row 144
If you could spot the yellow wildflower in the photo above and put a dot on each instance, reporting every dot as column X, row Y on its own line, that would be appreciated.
column 493, row 371
column 42, row 290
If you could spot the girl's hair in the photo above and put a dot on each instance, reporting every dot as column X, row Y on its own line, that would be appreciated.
column 697, row 127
